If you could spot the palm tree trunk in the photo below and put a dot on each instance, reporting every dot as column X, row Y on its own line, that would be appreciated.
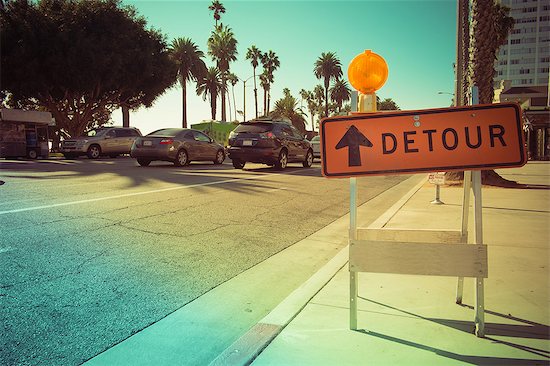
column 229, row 102
column 223, row 102
column 265, row 100
column 184, row 106
column 234, row 103
column 465, row 52
column 213, row 106
column 268, row 100
column 326, row 96
column 482, row 49
column 255, row 93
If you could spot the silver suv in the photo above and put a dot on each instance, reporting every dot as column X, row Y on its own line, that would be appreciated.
column 111, row 141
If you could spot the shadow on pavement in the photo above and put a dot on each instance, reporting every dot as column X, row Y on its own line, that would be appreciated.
column 530, row 330
column 474, row 360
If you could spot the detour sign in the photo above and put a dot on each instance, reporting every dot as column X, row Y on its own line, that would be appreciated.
column 461, row 138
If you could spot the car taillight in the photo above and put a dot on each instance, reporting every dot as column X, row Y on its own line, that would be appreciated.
column 267, row 135
column 166, row 142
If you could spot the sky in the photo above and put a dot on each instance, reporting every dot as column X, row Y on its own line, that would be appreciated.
column 415, row 37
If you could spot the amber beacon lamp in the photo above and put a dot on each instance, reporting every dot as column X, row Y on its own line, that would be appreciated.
column 367, row 73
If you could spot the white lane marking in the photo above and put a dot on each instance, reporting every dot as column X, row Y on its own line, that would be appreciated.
column 276, row 189
column 134, row 194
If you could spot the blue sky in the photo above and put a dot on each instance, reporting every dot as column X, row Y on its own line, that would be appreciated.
column 416, row 38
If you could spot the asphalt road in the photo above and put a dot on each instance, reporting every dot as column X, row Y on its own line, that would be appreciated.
column 92, row 252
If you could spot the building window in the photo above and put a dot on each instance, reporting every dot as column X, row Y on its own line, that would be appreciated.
column 503, row 62
column 544, row 69
column 515, row 41
column 514, row 62
column 529, row 10
column 545, row 59
column 544, row 18
column 524, row 71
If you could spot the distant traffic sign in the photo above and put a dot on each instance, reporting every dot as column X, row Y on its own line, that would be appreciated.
column 461, row 138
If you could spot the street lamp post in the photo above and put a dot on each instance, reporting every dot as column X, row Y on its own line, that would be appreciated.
column 453, row 94
column 244, row 97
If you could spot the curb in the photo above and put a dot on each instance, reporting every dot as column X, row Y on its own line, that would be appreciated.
column 245, row 349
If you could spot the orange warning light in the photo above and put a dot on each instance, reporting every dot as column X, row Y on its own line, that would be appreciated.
column 367, row 72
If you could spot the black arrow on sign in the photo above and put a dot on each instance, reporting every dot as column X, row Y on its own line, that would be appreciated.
column 353, row 138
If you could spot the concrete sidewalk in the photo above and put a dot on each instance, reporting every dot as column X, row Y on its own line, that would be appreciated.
column 414, row 320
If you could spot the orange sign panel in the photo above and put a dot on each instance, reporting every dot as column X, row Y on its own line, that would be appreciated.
column 461, row 138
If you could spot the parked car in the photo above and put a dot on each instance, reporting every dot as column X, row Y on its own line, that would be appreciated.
column 178, row 145
column 316, row 146
column 111, row 141
column 270, row 142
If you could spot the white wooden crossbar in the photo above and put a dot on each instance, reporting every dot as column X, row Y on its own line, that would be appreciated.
column 418, row 258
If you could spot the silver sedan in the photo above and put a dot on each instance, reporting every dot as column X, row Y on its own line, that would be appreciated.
column 315, row 144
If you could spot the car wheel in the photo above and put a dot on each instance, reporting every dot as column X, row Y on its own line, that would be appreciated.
column 144, row 162
column 182, row 158
column 309, row 159
column 94, row 152
column 237, row 164
column 32, row 154
column 220, row 157
column 282, row 161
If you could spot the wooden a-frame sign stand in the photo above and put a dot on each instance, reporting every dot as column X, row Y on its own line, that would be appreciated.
column 420, row 251
column 416, row 251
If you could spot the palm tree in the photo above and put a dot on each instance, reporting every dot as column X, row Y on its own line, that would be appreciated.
column 254, row 55
column 188, row 58
column 222, row 47
column 233, row 80
column 210, row 86
column 489, row 29
column 340, row 93
column 327, row 67
column 265, row 84
column 312, row 106
column 288, row 107
column 270, row 61
column 218, row 8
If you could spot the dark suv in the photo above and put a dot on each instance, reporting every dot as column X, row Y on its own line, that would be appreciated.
column 271, row 142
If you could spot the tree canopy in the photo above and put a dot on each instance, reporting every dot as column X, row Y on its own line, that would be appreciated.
column 287, row 107
column 81, row 58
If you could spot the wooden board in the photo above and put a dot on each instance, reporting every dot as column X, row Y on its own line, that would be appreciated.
column 460, row 260
column 412, row 235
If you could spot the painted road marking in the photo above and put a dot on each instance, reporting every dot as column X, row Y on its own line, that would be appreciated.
column 136, row 194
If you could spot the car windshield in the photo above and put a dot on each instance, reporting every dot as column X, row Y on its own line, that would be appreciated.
column 254, row 127
column 166, row 132
column 96, row 132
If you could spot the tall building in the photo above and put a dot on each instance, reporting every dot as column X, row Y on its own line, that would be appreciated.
column 525, row 59
column 522, row 73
